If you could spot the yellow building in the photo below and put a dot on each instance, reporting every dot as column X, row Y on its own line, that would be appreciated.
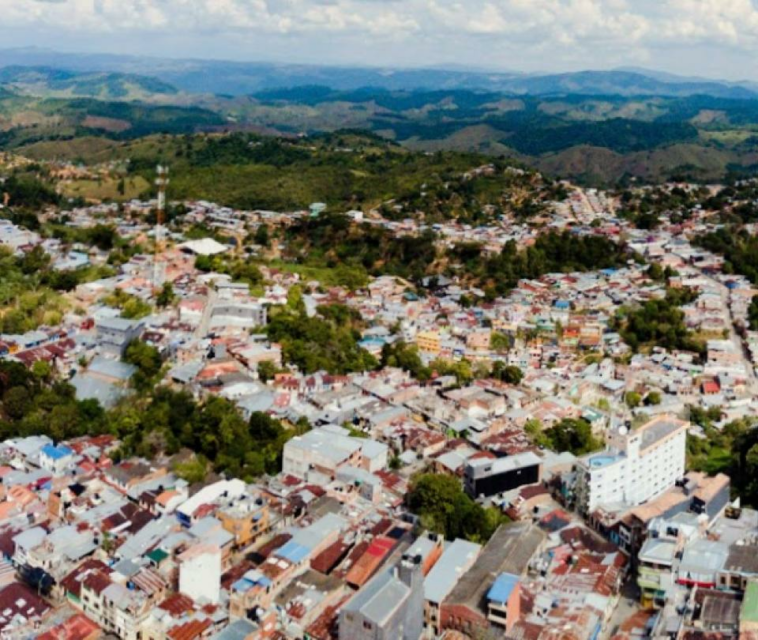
column 429, row 341
column 246, row 521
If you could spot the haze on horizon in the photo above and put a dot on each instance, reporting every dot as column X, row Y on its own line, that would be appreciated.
column 702, row 38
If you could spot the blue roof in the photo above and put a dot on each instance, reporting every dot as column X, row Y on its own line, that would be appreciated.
column 501, row 590
column 293, row 552
column 251, row 579
column 56, row 453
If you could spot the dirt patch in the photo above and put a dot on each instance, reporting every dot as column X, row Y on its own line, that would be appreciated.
column 106, row 124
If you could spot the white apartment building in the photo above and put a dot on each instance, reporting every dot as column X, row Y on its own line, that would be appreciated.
column 636, row 466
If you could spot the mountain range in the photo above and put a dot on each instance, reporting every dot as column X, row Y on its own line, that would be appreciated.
column 244, row 78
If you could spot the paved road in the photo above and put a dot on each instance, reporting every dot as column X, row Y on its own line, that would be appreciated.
column 735, row 337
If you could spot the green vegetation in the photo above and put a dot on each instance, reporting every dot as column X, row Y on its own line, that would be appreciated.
column 443, row 507
column 573, row 435
column 328, row 341
column 33, row 403
column 331, row 240
column 732, row 450
column 27, row 192
column 131, row 306
column 659, row 323
column 752, row 314
column 167, row 421
column 507, row 373
column 148, row 361
column 552, row 252
column 739, row 248
column 28, row 296
column 406, row 357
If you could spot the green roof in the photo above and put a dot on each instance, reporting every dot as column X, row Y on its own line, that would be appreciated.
column 157, row 555
column 750, row 603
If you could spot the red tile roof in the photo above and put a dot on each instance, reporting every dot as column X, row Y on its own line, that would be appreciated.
column 190, row 630
column 77, row 627
column 177, row 604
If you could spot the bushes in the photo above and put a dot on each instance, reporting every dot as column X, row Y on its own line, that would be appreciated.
column 660, row 323
column 573, row 435
column 326, row 342
column 443, row 507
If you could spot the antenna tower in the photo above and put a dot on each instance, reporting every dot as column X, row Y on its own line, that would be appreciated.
column 158, row 266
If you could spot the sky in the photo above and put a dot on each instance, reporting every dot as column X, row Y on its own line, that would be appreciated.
column 704, row 38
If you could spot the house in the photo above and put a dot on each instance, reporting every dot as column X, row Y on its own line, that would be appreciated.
column 56, row 459
column 467, row 608
column 389, row 607
column 455, row 560
column 114, row 334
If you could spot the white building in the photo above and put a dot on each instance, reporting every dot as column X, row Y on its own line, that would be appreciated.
column 637, row 466
column 324, row 450
column 200, row 573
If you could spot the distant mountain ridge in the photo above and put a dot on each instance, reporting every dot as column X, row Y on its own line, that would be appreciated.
column 244, row 78
column 56, row 82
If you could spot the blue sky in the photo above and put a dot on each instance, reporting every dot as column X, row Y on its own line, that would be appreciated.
column 711, row 38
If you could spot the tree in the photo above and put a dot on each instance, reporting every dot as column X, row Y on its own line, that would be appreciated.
column 262, row 235
column 267, row 370
column 752, row 314
column 509, row 374
column 42, row 370
column 193, row 471
column 653, row 398
column 574, row 436
column 165, row 296
column 35, row 261
column 443, row 507
column 147, row 359
column 633, row 399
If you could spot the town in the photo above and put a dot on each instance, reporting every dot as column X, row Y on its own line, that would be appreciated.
column 207, row 437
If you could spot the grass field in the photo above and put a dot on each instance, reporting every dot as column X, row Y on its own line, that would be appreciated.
column 105, row 189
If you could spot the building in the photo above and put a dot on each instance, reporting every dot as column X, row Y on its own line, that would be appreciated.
column 468, row 608
column 200, row 573
column 504, row 601
column 637, row 466
column 114, row 334
column 429, row 341
column 487, row 477
column 237, row 315
column 388, row 607
column 56, row 459
column 322, row 450
column 246, row 519
column 455, row 560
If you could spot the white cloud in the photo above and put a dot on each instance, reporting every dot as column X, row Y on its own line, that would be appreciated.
column 571, row 31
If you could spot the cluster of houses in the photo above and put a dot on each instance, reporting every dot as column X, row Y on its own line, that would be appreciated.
column 327, row 549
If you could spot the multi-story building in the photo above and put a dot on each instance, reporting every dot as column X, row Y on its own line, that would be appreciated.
column 389, row 607
column 658, row 558
column 429, row 341
column 457, row 558
column 114, row 334
column 246, row 519
column 637, row 465
column 487, row 477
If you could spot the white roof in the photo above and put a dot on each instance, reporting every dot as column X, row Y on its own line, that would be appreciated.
column 204, row 247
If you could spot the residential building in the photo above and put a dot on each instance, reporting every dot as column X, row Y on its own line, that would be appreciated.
column 388, row 607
